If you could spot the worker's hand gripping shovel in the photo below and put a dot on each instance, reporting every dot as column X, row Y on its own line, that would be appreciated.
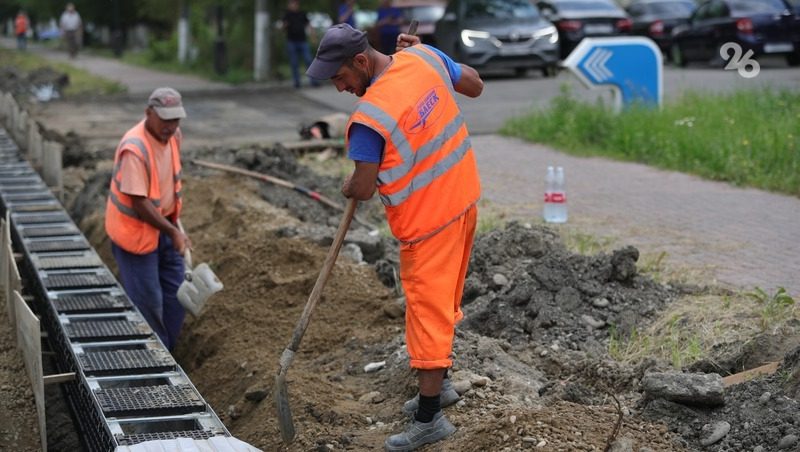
column 281, row 393
column 199, row 283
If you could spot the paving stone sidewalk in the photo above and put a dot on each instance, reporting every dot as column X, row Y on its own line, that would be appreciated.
column 741, row 237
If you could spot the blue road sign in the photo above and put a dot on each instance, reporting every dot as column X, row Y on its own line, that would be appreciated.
column 630, row 66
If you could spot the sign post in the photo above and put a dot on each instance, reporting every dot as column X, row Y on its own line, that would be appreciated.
column 630, row 66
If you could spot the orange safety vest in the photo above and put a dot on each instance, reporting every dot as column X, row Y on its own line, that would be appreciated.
column 428, row 176
column 20, row 24
column 123, row 224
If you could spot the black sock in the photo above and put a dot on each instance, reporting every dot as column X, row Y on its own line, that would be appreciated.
column 428, row 407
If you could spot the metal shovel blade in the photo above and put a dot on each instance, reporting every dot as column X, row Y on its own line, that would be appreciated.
column 193, row 294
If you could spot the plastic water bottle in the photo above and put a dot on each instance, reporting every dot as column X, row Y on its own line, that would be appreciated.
column 548, row 213
column 559, row 197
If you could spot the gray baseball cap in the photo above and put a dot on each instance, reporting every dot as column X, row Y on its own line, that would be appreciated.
column 339, row 43
column 167, row 104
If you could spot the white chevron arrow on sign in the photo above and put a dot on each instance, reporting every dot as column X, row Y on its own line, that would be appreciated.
column 596, row 64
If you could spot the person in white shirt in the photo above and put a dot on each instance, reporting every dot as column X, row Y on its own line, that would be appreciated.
column 71, row 29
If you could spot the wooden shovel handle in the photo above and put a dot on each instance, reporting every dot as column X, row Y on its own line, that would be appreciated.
column 327, row 266
column 187, row 255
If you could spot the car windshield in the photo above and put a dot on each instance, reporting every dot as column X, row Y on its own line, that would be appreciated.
column 500, row 9
column 586, row 6
column 757, row 6
column 672, row 8
column 425, row 13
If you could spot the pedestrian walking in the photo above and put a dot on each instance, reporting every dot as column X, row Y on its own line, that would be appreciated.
column 347, row 11
column 296, row 25
column 142, row 213
column 71, row 29
column 388, row 24
column 407, row 137
column 21, row 26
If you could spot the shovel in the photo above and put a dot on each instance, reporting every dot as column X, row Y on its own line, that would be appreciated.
column 281, row 394
column 198, row 283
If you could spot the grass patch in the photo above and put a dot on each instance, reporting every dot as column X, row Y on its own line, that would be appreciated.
column 693, row 326
column 748, row 138
column 80, row 82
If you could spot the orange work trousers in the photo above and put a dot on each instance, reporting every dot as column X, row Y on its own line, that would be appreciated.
column 432, row 272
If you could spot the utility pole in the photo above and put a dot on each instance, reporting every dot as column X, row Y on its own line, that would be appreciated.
column 262, row 44
column 183, row 32
column 220, row 55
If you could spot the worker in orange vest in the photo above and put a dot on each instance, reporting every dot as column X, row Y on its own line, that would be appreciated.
column 408, row 138
column 21, row 25
column 142, row 211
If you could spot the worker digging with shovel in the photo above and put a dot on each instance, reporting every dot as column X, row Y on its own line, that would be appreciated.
column 407, row 137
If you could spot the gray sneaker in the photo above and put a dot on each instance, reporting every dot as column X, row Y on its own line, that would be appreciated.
column 419, row 434
column 447, row 397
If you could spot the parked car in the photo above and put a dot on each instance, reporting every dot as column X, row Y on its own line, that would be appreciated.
column 427, row 13
column 578, row 19
column 498, row 34
column 656, row 19
column 767, row 27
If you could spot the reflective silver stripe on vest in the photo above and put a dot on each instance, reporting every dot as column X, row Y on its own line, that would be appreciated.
column 428, row 176
column 436, row 63
column 178, row 194
column 125, row 210
column 177, row 176
column 140, row 144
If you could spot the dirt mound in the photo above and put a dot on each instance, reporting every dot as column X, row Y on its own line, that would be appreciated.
column 525, row 286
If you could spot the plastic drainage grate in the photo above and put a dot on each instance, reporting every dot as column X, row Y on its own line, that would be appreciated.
column 130, row 361
column 34, row 206
column 22, row 197
column 90, row 303
column 17, row 181
column 161, row 400
column 26, row 189
column 130, row 440
column 106, row 330
column 88, row 259
column 78, row 280
column 58, row 245
column 34, row 218
column 50, row 231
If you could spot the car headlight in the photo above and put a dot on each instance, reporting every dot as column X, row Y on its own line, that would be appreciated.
column 548, row 32
column 468, row 36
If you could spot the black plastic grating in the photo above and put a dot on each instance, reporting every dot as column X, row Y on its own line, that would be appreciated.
column 25, row 189
column 22, row 197
column 65, row 262
column 90, row 303
column 12, row 172
column 49, row 231
column 32, row 218
column 106, row 330
column 130, row 361
column 17, row 181
column 130, row 440
column 153, row 400
column 57, row 245
column 78, row 280
column 38, row 205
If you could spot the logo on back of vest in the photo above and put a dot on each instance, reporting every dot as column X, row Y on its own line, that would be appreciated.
column 426, row 111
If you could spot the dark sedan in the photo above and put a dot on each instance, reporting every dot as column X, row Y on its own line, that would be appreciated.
column 578, row 19
column 767, row 27
column 656, row 19
column 498, row 35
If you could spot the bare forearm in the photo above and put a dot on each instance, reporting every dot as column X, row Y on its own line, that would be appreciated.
column 148, row 213
column 470, row 84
